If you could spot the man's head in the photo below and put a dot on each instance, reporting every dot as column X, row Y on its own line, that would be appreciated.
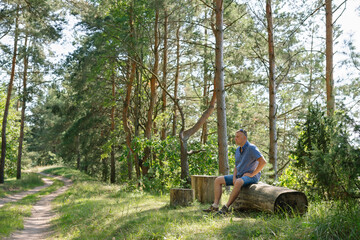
column 240, row 137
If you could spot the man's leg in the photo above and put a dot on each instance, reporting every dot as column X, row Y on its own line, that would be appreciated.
column 235, row 192
column 219, row 181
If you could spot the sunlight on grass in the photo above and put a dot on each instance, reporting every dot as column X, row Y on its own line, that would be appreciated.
column 28, row 181
column 94, row 210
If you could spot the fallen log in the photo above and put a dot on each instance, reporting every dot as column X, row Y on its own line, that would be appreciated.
column 181, row 196
column 264, row 197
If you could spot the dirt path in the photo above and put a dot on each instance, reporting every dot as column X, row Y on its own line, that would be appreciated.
column 37, row 226
column 21, row 195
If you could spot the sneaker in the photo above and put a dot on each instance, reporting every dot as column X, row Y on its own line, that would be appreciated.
column 211, row 209
column 224, row 211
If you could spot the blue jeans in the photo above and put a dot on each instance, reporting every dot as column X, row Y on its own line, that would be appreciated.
column 247, row 180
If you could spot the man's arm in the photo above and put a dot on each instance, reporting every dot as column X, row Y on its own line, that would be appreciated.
column 234, row 177
column 260, row 166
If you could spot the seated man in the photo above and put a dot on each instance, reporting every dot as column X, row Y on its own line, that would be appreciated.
column 248, row 165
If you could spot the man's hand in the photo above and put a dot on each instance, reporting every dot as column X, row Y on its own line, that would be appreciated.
column 247, row 175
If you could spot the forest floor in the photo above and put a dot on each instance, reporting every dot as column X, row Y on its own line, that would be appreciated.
column 27, row 214
column 90, row 209
column 38, row 225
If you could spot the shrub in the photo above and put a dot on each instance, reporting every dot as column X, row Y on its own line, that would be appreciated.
column 326, row 157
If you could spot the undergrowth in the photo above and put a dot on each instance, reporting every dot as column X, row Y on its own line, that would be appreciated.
column 94, row 210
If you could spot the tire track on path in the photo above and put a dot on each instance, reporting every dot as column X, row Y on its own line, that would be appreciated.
column 38, row 226
column 21, row 195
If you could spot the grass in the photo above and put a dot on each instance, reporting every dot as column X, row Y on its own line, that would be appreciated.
column 94, row 210
column 12, row 214
column 28, row 181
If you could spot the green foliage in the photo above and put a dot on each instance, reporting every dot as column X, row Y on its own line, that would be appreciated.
column 326, row 156
column 12, row 134
column 164, row 172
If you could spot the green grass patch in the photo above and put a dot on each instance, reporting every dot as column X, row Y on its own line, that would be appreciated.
column 28, row 181
column 94, row 210
column 12, row 214
column 69, row 173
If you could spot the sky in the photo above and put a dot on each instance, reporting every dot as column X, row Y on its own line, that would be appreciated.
column 349, row 21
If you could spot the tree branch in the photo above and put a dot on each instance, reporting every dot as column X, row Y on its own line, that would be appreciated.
column 304, row 20
column 195, row 151
column 211, row 7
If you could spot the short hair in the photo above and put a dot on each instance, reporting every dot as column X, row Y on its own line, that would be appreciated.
column 243, row 131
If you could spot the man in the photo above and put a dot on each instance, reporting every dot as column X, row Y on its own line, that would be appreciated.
column 248, row 165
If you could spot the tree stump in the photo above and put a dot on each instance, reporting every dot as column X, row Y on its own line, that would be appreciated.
column 264, row 197
column 181, row 197
column 203, row 187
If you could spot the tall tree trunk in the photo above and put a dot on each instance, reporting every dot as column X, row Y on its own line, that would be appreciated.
column 137, row 94
column 8, row 98
column 310, row 87
column 78, row 157
column 148, row 128
column 272, row 90
column 165, row 59
column 204, row 132
column 105, row 170
column 176, row 82
column 220, row 91
column 330, row 99
column 131, row 77
column 112, row 160
column 24, row 97
column 125, row 113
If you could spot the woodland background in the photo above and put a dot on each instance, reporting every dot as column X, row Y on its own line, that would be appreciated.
column 133, row 102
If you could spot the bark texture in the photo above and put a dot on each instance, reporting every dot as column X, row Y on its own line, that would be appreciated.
column 112, row 157
column 165, row 59
column 23, row 107
column 8, row 98
column 272, row 90
column 181, row 197
column 330, row 99
column 145, row 165
column 272, row 199
column 220, row 90
column 203, row 187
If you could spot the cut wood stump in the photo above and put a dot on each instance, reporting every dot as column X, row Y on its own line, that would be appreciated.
column 264, row 197
column 181, row 197
column 203, row 187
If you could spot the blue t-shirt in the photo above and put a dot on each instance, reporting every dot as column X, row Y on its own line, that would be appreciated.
column 245, row 161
